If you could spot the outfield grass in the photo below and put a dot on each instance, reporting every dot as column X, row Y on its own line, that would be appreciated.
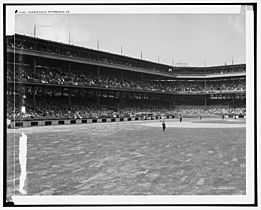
column 129, row 159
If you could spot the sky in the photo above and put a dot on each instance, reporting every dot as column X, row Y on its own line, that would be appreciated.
column 195, row 39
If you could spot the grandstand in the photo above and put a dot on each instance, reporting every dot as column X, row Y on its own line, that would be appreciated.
column 55, row 82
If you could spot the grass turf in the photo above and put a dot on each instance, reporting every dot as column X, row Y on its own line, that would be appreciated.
column 129, row 159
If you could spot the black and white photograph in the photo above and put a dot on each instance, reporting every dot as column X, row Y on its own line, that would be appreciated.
column 130, row 104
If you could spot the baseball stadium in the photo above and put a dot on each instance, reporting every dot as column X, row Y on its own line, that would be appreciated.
column 93, row 123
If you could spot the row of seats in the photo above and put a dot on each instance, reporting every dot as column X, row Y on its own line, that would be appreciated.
column 90, row 79
column 60, row 108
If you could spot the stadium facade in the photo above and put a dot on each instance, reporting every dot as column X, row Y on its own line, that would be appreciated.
column 55, row 83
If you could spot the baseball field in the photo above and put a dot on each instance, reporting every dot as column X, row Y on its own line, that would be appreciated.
column 195, row 157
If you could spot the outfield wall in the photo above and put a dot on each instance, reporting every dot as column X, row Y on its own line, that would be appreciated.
column 32, row 123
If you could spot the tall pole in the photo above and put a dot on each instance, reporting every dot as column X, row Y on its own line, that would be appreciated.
column 34, row 30
column 232, row 60
column 121, row 49
column 69, row 38
column 141, row 55
column 38, row 26
column 98, row 44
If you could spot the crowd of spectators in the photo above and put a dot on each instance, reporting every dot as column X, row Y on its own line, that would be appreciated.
column 189, row 110
column 24, row 42
column 54, row 75
column 226, row 86
column 87, row 108
column 18, row 72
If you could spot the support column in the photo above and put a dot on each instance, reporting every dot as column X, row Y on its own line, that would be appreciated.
column 98, row 101
column 70, row 96
column 70, row 68
column 205, row 102
column 121, row 100
column 233, row 100
column 34, row 67
column 52, row 96
column 34, row 93
column 142, row 101
column 98, row 76
column 41, row 99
